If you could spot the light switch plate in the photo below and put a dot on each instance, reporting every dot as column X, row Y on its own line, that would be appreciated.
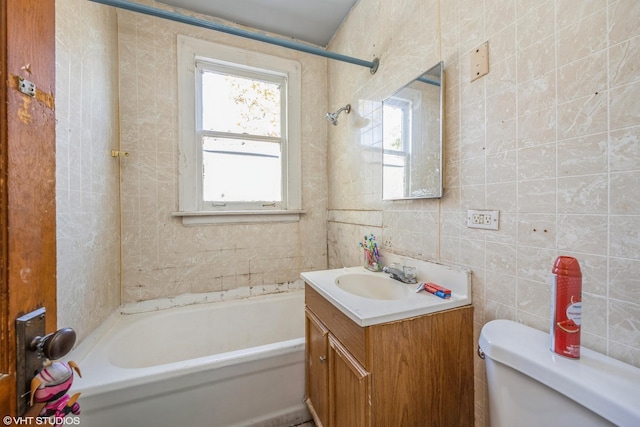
column 480, row 61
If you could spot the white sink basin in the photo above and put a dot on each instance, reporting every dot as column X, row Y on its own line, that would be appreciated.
column 371, row 286
column 372, row 298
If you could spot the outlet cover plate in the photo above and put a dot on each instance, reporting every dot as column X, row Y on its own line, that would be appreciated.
column 487, row 220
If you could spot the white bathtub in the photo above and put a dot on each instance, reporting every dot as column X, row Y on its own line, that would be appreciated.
column 232, row 363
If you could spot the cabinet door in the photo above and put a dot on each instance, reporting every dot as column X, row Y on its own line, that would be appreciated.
column 349, row 388
column 317, row 373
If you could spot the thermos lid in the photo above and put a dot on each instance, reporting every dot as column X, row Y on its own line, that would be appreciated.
column 567, row 266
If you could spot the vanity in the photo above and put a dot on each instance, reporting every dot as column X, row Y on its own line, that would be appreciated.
column 380, row 357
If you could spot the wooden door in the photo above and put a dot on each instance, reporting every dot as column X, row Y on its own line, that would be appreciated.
column 349, row 388
column 27, row 177
column 317, row 369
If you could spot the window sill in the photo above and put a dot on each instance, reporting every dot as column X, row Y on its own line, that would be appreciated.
column 190, row 218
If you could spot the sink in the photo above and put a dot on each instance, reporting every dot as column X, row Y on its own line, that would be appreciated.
column 371, row 286
column 370, row 298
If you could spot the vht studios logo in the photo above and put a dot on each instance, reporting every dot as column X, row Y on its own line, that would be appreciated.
column 40, row 421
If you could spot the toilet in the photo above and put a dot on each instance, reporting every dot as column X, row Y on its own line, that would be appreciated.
column 530, row 386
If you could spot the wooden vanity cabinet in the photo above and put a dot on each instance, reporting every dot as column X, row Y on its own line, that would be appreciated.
column 349, row 390
column 413, row 372
column 317, row 368
column 334, row 375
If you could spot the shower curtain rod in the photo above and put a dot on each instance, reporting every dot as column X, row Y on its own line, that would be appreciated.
column 175, row 16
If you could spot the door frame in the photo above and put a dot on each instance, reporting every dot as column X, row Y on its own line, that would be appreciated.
column 27, row 177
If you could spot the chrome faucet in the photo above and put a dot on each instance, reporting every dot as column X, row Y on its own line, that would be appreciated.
column 398, row 274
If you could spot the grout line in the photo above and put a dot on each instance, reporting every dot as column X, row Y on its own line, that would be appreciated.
column 517, row 154
column 608, row 249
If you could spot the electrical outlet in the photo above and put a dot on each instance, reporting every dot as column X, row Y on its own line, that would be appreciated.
column 487, row 220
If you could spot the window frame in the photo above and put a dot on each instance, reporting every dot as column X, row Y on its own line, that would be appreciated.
column 190, row 201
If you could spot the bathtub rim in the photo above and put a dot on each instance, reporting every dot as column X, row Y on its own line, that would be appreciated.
column 114, row 377
column 83, row 347
column 141, row 377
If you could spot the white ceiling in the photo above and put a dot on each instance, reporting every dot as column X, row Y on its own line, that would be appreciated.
column 313, row 21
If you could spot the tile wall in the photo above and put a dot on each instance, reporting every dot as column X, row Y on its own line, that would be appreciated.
column 162, row 258
column 88, row 211
column 550, row 137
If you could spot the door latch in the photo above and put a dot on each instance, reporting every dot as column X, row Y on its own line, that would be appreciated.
column 26, row 87
column 34, row 348
column 28, row 362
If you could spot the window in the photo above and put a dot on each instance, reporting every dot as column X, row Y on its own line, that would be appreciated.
column 239, row 135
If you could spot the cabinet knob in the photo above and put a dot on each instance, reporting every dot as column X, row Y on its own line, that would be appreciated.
column 323, row 359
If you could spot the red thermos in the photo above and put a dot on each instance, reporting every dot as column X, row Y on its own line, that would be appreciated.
column 566, row 307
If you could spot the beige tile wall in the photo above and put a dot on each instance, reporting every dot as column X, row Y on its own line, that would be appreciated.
column 550, row 137
column 163, row 258
column 88, row 211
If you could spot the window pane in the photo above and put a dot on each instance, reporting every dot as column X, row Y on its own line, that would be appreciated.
column 240, row 105
column 236, row 170
column 394, row 125
column 394, row 174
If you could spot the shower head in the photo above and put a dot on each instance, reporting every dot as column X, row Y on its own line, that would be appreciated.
column 333, row 117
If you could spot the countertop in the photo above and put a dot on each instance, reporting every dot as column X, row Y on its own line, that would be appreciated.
column 367, row 311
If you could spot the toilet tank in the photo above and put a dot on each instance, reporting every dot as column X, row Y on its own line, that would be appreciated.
column 529, row 385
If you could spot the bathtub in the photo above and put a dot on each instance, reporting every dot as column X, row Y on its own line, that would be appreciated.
column 231, row 363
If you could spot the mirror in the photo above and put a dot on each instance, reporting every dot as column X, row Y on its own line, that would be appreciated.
column 412, row 120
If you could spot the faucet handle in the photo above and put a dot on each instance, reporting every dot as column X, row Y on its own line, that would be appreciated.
column 409, row 272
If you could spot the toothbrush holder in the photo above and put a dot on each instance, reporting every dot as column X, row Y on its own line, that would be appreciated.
column 371, row 262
